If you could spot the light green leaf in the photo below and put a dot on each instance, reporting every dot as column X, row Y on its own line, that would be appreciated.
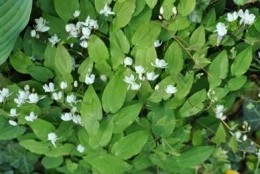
column 9, row 132
column 146, row 34
column 35, row 146
column 62, row 61
column 145, row 56
column 174, row 58
column 62, row 150
column 51, row 162
column 20, row 62
column 185, row 7
column 125, row 117
column 151, row 3
column 106, row 163
column 119, row 40
column 40, row 73
column 124, row 148
column 37, row 127
column 194, row 104
column 66, row 8
column 198, row 37
column 236, row 83
column 220, row 136
column 184, row 84
column 218, row 69
column 14, row 16
column 91, row 106
column 180, row 23
column 49, row 58
column 240, row 2
column 85, row 67
column 242, row 62
column 97, row 49
column 124, row 12
column 114, row 94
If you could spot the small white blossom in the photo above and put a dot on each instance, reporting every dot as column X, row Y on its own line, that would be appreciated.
column 13, row 112
column 31, row 117
column 160, row 63
column 76, row 13
column 22, row 97
column 56, row 95
column 221, row 29
column 170, row 89
column 246, row 17
column 157, row 43
column 84, row 44
column 128, row 61
column 103, row 78
column 161, row 10
column 106, row 11
column 75, row 83
column 151, row 76
column 12, row 123
column 33, row 98
column 174, row 10
column 237, row 135
column 130, row 79
column 93, row 24
column 66, row 116
column 49, row 88
column 63, row 85
column 4, row 93
column 71, row 98
column 76, row 118
column 52, row 137
column 85, row 33
column 54, row 40
column 135, row 86
column 220, row 112
column 232, row 16
column 139, row 69
column 33, row 33
column 80, row 148
column 72, row 30
column 41, row 25
column 90, row 79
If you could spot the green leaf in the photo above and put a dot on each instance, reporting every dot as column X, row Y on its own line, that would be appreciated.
column 66, row 8
column 106, row 163
column 146, row 34
column 9, row 132
column 145, row 56
column 20, row 62
column 220, row 136
column 48, row 57
column 35, row 146
column 236, row 83
column 180, row 23
column 173, row 56
column 14, row 16
column 240, row 2
column 194, row 157
column 151, row 3
column 40, row 73
column 91, row 106
column 194, row 104
column 51, row 162
column 126, row 117
column 198, row 37
column 97, row 49
column 124, row 12
column 37, row 127
column 85, row 67
column 61, row 150
column 114, row 94
column 242, row 62
column 185, row 7
column 124, row 148
column 62, row 61
column 184, row 85
column 218, row 69
column 119, row 40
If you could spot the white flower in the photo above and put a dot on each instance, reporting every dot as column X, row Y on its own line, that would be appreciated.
column 33, row 98
column 71, row 98
column 56, row 95
column 157, row 43
column 4, row 93
column 135, row 86
column 90, row 79
column 22, row 97
column 85, row 33
column 80, row 148
column 31, row 117
column 161, row 10
column 93, row 24
column 174, row 10
column 219, row 108
column 139, row 69
column 130, row 79
column 160, row 63
column 72, row 30
column 76, row 119
column 66, row 116
column 128, row 61
column 63, row 85
column 221, row 29
column 220, row 112
column 53, row 40
column 237, row 135
column 41, row 25
column 52, row 137
column 76, row 13
column 48, row 88
column 84, row 44
column 246, row 17
column 232, row 16
column 12, row 123
column 151, row 76
column 33, row 33
column 106, row 11
column 75, row 83
column 13, row 112
column 103, row 78
column 170, row 89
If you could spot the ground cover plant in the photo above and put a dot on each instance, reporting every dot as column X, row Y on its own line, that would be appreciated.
column 129, row 86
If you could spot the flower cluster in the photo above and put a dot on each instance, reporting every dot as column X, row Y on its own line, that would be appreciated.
column 4, row 93
column 39, row 27
column 219, row 110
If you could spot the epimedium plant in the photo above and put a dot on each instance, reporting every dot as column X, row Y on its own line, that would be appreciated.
column 132, row 87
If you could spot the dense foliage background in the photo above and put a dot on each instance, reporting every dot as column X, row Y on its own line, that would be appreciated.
column 129, row 86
